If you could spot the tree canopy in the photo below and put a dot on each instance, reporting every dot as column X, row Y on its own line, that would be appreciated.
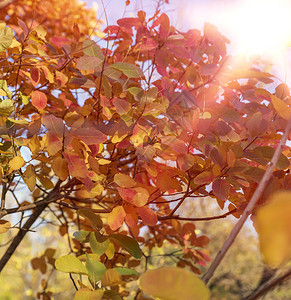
column 114, row 131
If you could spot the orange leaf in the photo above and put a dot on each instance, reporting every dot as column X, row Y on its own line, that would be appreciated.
column 147, row 215
column 221, row 188
column 38, row 99
column 77, row 166
column 124, row 180
column 116, row 217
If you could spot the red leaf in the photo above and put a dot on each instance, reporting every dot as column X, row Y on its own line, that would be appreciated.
column 136, row 196
column 90, row 136
column 54, row 124
column 129, row 22
column 147, row 215
column 34, row 75
column 76, row 165
column 38, row 99
column 59, row 41
column 221, row 188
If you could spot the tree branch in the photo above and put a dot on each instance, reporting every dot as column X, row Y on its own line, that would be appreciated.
column 198, row 219
column 18, row 238
column 251, row 205
column 269, row 285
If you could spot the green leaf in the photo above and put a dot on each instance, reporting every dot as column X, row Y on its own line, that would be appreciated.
column 70, row 264
column 94, row 219
column 98, row 244
column 82, row 236
column 173, row 284
column 129, row 70
column 92, row 49
column 95, row 269
column 6, row 38
column 127, row 243
column 126, row 271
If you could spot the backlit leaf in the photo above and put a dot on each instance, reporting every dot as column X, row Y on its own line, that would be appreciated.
column 147, row 215
column 273, row 224
column 126, row 271
column 84, row 294
column 30, row 177
column 6, row 38
column 76, row 165
column 90, row 136
column 92, row 49
column 130, row 70
column 95, row 269
column 221, row 188
column 127, row 243
column 16, row 162
column 111, row 278
column 124, row 181
column 173, row 284
column 98, row 246
column 281, row 107
column 88, row 63
column 60, row 167
column 70, row 264
column 116, row 217
column 38, row 99
column 4, row 226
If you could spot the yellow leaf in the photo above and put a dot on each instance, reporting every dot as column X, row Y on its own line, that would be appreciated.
column 273, row 225
column 4, row 226
column 60, row 167
column 110, row 251
column 16, row 162
column 85, row 294
column 173, row 284
column 282, row 109
column 124, row 180
column 30, row 177
column 110, row 278
column 103, row 161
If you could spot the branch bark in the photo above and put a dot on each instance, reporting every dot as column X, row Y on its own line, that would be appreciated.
column 269, row 285
column 251, row 205
column 21, row 234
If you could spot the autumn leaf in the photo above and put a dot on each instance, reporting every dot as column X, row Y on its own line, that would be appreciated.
column 221, row 188
column 116, row 217
column 38, row 99
column 173, row 284
column 124, row 180
column 6, row 38
column 281, row 107
column 4, row 226
column 70, row 264
column 273, row 224
column 130, row 70
column 16, row 162
column 147, row 215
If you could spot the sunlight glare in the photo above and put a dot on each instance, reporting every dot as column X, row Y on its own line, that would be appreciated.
column 262, row 26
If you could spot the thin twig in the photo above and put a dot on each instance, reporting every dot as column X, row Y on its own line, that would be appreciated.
column 251, row 205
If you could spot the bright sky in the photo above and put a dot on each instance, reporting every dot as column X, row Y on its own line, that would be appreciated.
column 253, row 26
